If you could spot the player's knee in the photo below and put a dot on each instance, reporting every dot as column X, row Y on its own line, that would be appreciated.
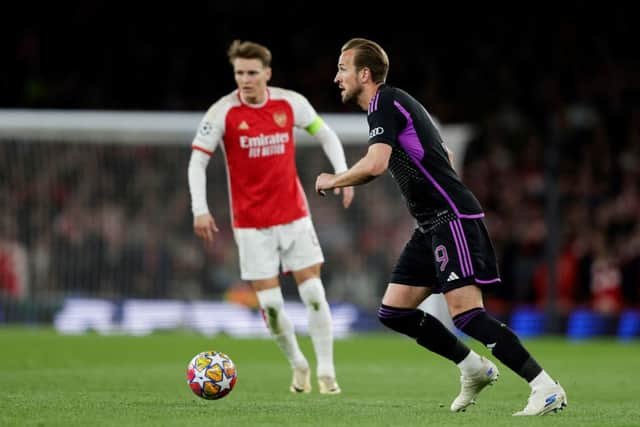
column 405, row 321
column 272, row 316
column 272, row 307
column 387, row 321
column 312, row 294
column 272, row 304
column 461, row 300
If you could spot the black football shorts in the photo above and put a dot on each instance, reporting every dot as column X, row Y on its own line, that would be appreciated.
column 447, row 256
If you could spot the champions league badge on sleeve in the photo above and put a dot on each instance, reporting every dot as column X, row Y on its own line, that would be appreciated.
column 205, row 128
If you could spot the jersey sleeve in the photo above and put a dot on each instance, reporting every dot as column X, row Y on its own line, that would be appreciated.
column 385, row 122
column 211, row 128
column 304, row 115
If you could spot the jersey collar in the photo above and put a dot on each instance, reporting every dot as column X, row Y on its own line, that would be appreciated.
column 262, row 104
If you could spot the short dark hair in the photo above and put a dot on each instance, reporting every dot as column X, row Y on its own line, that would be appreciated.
column 249, row 50
column 371, row 55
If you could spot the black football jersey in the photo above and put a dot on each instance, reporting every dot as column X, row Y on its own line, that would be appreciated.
column 419, row 163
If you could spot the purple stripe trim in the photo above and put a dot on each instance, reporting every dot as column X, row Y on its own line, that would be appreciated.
column 486, row 282
column 465, row 247
column 387, row 313
column 455, row 239
column 461, row 320
column 462, row 254
column 471, row 216
column 373, row 105
column 408, row 138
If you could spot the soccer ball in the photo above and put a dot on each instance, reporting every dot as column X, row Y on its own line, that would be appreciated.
column 211, row 375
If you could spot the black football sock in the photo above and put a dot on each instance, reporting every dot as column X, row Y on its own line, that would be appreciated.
column 428, row 331
column 503, row 343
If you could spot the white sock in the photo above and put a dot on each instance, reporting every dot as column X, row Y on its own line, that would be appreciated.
column 280, row 326
column 470, row 364
column 320, row 328
column 541, row 380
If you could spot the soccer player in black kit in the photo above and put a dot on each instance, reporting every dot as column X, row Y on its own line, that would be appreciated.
column 450, row 250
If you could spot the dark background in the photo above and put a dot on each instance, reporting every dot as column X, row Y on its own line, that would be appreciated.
column 463, row 61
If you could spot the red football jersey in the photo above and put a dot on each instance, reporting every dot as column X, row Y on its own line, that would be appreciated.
column 258, row 143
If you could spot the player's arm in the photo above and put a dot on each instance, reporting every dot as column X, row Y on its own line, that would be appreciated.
column 204, row 225
column 334, row 152
column 209, row 134
column 371, row 166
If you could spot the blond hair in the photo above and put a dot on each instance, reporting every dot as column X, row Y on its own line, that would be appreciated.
column 249, row 50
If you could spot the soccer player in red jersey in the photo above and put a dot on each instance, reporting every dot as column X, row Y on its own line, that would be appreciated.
column 271, row 223
column 450, row 251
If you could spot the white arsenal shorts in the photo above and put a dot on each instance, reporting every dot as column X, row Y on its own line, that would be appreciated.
column 263, row 250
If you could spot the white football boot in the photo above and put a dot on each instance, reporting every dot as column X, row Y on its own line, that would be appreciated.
column 544, row 400
column 472, row 385
column 328, row 385
column 301, row 382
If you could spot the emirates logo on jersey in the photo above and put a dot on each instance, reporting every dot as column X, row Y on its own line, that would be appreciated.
column 280, row 118
column 265, row 145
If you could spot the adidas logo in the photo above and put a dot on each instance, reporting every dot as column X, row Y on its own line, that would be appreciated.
column 453, row 276
column 243, row 125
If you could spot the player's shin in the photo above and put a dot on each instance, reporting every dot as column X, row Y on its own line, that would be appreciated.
column 320, row 328
column 502, row 341
column 428, row 331
column 281, row 328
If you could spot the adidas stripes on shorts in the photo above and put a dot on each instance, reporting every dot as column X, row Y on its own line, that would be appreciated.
column 450, row 255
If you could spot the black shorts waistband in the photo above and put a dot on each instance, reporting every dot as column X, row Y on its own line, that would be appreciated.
column 443, row 217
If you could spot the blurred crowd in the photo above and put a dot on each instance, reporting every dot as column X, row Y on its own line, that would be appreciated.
column 570, row 201
column 115, row 221
column 555, row 161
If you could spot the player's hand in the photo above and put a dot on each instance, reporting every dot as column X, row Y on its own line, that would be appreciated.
column 204, row 226
column 347, row 195
column 323, row 183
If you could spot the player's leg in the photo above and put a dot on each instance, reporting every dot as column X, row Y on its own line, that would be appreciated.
column 452, row 270
column 259, row 264
column 272, row 305
column 464, row 298
column 470, row 317
column 301, row 254
column 398, row 310
column 320, row 326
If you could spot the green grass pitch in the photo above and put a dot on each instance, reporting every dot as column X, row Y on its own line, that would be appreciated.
column 52, row 380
